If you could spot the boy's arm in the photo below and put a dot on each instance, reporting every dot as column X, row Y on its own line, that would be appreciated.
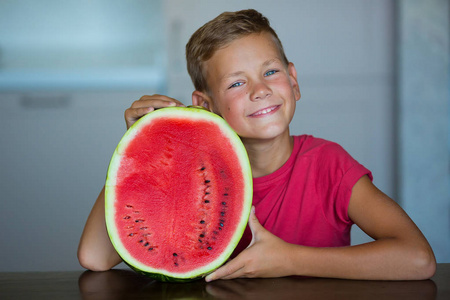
column 399, row 252
column 95, row 251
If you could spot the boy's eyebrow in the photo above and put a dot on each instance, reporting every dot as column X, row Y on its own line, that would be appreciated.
column 238, row 73
column 235, row 74
column 269, row 62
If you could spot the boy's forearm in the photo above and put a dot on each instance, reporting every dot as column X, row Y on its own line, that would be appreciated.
column 95, row 251
column 384, row 259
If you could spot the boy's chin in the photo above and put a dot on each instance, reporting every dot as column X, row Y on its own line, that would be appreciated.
column 266, row 136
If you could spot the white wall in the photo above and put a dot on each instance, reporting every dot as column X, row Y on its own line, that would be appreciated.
column 55, row 148
column 424, row 98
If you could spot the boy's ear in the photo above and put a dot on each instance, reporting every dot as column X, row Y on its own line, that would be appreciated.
column 202, row 99
column 294, row 83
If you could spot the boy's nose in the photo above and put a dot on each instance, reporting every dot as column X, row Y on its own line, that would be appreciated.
column 260, row 92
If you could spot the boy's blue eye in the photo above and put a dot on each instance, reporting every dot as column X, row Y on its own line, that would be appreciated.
column 236, row 84
column 271, row 72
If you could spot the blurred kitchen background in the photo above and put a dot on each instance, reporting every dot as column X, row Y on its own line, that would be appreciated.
column 374, row 77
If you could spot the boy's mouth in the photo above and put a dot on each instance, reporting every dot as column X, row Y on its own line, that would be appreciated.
column 265, row 111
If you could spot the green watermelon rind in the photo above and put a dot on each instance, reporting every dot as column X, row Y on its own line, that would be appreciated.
column 163, row 275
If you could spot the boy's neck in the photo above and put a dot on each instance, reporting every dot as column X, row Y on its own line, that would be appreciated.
column 267, row 156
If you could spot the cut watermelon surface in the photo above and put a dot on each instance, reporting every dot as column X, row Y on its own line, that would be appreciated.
column 178, row 194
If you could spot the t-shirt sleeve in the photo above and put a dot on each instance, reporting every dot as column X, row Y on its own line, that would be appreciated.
column 341, row 172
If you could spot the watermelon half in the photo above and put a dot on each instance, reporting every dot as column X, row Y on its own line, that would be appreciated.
column 178, row 194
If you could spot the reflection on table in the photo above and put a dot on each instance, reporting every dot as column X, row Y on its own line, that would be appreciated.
column 124, row 284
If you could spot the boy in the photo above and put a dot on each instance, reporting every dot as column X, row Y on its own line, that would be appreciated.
column 307, row 191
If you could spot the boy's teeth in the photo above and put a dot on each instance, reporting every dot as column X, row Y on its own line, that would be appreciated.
column 264, row 111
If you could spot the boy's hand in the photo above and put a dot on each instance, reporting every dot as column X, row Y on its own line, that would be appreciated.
column 266, row 256
column 148, row 104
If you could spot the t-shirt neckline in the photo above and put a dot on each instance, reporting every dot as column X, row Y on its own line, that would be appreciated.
column 283, row 169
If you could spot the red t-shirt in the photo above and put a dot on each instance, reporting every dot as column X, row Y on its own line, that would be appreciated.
column 305, row 201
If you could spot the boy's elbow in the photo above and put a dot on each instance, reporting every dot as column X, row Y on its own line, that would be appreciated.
column 425, row 264
column 92, row 263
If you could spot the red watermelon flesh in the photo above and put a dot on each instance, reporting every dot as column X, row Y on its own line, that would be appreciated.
column 178, row 194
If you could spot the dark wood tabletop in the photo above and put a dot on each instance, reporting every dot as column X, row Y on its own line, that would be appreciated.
column 126, row 284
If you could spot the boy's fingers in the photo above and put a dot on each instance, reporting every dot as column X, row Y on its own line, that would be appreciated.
column 157, row 101
column 147, row 104
column 235, row 267
column 136, row 113
column 228, row 271
column 133, row 114
column 254, row 225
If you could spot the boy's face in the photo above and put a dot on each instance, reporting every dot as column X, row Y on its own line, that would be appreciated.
column 251, row 88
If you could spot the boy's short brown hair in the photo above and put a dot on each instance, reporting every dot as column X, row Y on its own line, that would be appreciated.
column 218, row 33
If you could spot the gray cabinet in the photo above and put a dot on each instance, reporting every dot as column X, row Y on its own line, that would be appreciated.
column 54, row 152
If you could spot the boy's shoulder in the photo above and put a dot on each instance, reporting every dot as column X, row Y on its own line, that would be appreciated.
column 327, row 158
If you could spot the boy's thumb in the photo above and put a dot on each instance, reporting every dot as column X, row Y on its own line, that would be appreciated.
column 254, row 225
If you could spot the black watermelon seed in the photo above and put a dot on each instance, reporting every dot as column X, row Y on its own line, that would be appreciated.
column 224, row 203
column 225, row 194
column 206, row 201
column 222, row 213
column 131, row 234
column 202, row 169
column 209, row 248
column 175, row 254
column 150, row 249
column 221, row 224
column 141, row 241
column 202, row 235
column 146, row 244
column 127, row 217
column 207, row 181
column 220, row 228
column 202, row 222
column 200, row 240
column 176, row 264
column 207, row 193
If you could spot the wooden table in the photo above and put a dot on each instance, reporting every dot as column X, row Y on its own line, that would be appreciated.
column 125, row 284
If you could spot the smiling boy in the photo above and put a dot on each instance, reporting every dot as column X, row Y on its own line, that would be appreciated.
column 308, row 192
